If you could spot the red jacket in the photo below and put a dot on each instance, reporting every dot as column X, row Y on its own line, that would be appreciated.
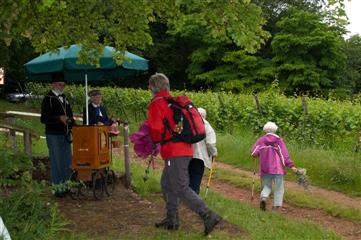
column 158, row 110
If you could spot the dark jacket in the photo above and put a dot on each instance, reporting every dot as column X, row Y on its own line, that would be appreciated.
column 93, row 118
column 51, row 110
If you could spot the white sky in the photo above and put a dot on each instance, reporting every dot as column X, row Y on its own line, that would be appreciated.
column 353, row 11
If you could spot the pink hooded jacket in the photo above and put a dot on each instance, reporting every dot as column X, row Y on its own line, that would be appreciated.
column 273, row 154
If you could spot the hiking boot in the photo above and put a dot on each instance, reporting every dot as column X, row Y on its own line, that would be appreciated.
column 170, row 222
column 262, row 204
column 276, row 208
column 59, row 194
column 210, row 219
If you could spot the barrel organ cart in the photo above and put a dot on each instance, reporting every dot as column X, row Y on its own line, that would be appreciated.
column 92, row 157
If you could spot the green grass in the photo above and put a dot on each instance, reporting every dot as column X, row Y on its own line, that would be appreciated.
column 39, row 147
column 138, row 172
column 8, row 106
column 337, row 169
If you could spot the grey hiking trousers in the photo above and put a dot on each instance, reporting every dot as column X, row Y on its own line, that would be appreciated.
column 175, row 186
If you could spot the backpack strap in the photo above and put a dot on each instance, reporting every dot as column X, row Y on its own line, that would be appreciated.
column 165, row 122
column 166, row 127
column 276, row 147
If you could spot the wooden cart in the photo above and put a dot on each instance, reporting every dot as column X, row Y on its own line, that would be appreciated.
column 91, row 161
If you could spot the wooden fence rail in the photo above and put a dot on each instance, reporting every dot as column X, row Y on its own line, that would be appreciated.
column 28, row 135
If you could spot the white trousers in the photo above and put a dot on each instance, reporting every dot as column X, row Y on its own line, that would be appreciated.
column 279, row 190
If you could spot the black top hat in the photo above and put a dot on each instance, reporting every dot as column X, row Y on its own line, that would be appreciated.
column 57, row 77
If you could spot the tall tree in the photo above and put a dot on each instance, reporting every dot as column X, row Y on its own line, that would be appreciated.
column 12, row 59
column 274, row 10
column 215, row 28
column 307, row 53
column 352, row 49
column 169, row 54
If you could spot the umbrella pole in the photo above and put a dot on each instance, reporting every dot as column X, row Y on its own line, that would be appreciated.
column 86, row 99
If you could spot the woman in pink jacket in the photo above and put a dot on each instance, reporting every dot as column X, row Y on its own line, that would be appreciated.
column 274, row 158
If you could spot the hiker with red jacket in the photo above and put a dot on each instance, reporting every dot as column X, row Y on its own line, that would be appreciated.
column 176, row 155
column 274, row 158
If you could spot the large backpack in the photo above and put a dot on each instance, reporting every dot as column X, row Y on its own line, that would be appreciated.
column 189, row 125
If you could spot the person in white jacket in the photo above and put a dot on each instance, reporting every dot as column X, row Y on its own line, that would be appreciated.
column 202, row 156
column 4, row 234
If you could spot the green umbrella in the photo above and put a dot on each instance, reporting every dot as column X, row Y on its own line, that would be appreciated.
column 65, row 60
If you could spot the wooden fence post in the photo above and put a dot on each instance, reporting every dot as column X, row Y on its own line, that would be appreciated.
column 304, row 106
column 126, row 155
column 10, row 120
column 27, row 143
column 258, row 105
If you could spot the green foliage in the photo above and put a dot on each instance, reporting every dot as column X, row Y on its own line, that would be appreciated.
column 222, row 22
column 239, row 71
column 326, row 123
column 25, row 212
column 27, row 216
column 307, row 53
column 125, row 24
column 352, row 49
column 67, row 185
column 94, row 24
column 14, row 168
column 170, row 54
column 214, row 28
column 12, row 59
column 200, row 44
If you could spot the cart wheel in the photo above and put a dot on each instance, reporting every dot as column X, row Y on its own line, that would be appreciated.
column 75, row 186
column 109, row 182
column 98, row 184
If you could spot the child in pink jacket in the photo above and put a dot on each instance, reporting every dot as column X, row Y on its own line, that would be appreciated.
column 274, row 158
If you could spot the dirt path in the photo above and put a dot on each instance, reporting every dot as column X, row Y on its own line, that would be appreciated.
column 338, row 197
column 126, row 215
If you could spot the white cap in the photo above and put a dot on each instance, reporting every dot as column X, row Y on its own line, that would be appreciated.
column 203, row 112
column 270, row 127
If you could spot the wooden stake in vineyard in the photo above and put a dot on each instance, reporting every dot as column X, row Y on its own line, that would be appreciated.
column 126, row 155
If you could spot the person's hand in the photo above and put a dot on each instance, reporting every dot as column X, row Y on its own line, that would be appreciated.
column 294, row 169
column 212, row 150
column 63, row 119
column 215, row 152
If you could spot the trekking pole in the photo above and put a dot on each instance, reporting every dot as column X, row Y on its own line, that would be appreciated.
column 209, row 177
column 253, row 179
column 151, row 161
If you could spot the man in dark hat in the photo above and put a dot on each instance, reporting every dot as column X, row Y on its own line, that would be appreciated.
column 57, row 115
column 96, row 112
